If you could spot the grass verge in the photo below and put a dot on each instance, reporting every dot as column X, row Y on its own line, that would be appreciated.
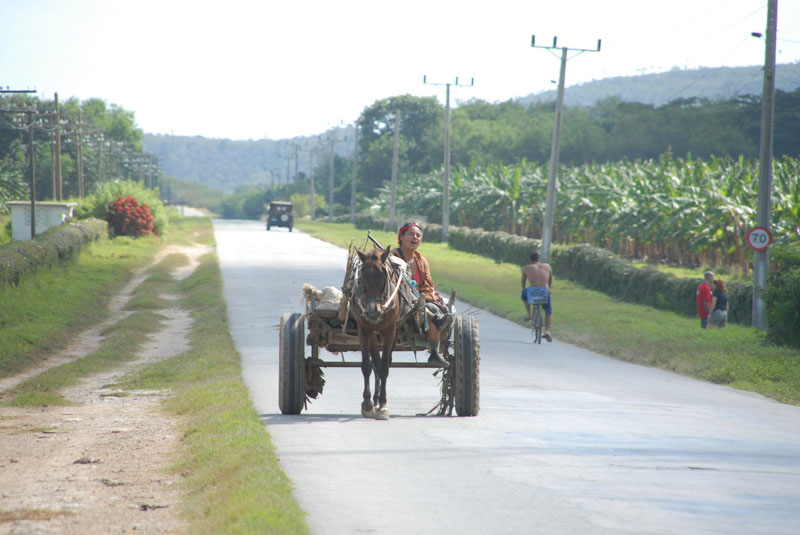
column 233, row 480
column 736, row 355
column 41, row 315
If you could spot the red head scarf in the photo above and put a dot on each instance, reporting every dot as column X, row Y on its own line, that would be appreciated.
column 403, row 230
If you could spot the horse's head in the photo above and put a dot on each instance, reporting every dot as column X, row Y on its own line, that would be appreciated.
column 373, row 282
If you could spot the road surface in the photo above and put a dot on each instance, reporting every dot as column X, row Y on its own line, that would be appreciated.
column 567, row 441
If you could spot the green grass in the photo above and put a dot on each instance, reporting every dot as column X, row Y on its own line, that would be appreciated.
column 5, row 228
column 233, row 481
column 39, row 316
column 721, row 272
column 736, row 355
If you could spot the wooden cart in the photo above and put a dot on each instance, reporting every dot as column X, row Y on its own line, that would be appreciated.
column 302, row 379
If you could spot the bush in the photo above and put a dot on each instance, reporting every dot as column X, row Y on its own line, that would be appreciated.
column 126, row 217
column 783, row 295
column 499, row 246
column 96, row 205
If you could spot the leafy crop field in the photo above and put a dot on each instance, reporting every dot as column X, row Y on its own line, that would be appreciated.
column 687, row 212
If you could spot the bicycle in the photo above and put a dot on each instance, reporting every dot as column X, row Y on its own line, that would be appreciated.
column 537, row 300
column 536, row 322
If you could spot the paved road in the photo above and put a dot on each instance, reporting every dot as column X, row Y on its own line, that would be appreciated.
column 567, row 441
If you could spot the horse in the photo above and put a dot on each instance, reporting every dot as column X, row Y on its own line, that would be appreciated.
column 377, row 310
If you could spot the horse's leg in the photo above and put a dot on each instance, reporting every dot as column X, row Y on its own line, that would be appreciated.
column 382, row 413
column 367, row 407
column 376, row 367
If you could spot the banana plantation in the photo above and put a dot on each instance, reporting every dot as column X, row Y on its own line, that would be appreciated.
column 688, row 212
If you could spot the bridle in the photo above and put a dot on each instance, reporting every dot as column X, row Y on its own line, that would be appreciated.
column 386, row 300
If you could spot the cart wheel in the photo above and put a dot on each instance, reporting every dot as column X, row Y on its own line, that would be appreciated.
column 467, row 348
column 292, row 370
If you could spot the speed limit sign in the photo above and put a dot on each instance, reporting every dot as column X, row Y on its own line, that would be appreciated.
column 759, row 239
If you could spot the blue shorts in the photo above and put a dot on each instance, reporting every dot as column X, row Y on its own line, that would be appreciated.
column 537, row 293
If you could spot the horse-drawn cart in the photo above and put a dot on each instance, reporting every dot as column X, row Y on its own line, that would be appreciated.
column 333, row 325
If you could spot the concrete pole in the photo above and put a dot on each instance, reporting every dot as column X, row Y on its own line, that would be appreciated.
column 53, row 176
column 355, row 176
column 547, row 230
column 395, row 159
column 59, row 178
column 81, row 189
column 32, row 170
column 313, row 200
column 761, row 259
column 446, row 183
column 331, row 163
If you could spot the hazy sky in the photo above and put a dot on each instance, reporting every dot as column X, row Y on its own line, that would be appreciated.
column 280, row 68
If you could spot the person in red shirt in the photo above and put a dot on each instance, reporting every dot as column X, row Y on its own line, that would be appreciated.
column 704, row 299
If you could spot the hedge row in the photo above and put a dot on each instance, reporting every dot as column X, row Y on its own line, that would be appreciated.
column 603, row 271
column 591, row 267
column 783, row 295
column 55, row 245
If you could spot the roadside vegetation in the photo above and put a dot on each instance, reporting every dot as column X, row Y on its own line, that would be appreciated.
column 737, row 355
column 231, row 474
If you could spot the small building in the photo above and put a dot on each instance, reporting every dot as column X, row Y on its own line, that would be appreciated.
column 48, row 214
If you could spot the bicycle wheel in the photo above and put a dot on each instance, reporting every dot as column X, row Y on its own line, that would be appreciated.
column 536, row 324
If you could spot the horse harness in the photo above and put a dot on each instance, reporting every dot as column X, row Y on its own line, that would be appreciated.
column 389, row 293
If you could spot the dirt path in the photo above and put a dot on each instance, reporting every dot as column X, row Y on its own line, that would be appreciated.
column 100, row 466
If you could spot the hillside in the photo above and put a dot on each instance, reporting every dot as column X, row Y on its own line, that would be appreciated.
column 660, row 88
column 224, row 164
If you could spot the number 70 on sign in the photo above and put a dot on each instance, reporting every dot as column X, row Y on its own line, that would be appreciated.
column 759, row 239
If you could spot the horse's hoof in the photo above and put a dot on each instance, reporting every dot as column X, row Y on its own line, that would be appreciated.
column 368, row 411
column 382, row 414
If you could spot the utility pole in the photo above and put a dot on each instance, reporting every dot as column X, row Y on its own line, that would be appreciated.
column 31, row 116
column 53, row 175
column 763, row 214
column 32, row 170
column 80, row 133
column 355, row 175
column 312, row 199
column 446, row 179
column 296, row 172
column 59, row 178
column 331, row 162
column 395, row 159
column 547, row 230
column 81, row 190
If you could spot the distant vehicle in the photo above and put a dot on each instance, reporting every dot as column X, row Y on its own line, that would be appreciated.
column 280, row 215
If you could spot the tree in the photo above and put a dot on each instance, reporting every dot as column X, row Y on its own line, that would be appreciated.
column 420, row 138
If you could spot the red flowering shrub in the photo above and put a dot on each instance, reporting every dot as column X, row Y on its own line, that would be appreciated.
column 126, row 217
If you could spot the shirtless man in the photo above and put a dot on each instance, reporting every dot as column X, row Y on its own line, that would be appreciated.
column 538, row 275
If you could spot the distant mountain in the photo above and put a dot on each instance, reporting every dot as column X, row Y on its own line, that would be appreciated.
column 224, row 164
column 661, row 88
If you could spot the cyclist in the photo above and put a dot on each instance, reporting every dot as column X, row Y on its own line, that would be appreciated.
column 538, row 275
